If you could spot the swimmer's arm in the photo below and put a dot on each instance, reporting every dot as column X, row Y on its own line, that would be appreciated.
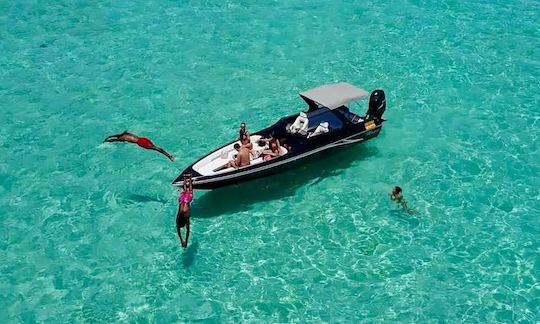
column 269, row 152
column 404, row 204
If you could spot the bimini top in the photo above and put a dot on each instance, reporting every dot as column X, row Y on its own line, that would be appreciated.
column 332, row 95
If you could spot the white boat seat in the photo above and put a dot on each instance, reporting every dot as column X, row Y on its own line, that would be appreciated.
column 301, row 124
column 257, row 149
column 255, row 138
column 321, row 129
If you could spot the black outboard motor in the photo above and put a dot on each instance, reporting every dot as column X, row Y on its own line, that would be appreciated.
column 377, row 105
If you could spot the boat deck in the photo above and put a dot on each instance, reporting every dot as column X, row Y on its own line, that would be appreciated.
column 221, row 157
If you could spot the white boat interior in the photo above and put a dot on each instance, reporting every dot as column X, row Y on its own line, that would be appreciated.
column 221, row 157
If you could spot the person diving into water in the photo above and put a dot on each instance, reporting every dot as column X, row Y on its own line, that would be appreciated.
column 141, row 141
column 184, row 206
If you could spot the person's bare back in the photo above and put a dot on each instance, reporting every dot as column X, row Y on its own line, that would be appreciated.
column 243, row 157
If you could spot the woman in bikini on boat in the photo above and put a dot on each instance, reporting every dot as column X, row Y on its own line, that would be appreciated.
column 141, row 141
column 273, row 152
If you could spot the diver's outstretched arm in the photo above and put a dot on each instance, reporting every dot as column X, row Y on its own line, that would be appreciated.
column 116, row 137
column 112, row 139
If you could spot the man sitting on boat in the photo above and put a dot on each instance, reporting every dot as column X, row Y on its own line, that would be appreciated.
column 242, row 158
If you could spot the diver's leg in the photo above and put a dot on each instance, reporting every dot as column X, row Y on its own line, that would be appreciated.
column 187, row 230
column 162, row 151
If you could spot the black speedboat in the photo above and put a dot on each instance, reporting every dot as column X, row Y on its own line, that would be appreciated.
column 327, row 123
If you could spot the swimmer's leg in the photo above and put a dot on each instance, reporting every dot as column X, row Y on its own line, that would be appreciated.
column 187, row 231
column 179, row 221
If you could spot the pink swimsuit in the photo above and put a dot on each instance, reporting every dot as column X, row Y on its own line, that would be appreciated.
column 185, row 197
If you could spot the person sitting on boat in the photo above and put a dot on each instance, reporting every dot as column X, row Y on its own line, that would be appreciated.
column 271, row 139
column 257, row 150
column 273, row 152
column 243, row 130
column 141, row 141
column 245, row 141
column 242, row 158
column 184, row 206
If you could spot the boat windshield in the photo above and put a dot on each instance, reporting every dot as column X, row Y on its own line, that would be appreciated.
column 323, row 115
column 352, row 117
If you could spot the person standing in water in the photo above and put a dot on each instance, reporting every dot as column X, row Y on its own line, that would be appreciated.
column 184, row 206
column 141, row 141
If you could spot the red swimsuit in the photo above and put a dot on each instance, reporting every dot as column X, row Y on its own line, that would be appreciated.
column 145, row 142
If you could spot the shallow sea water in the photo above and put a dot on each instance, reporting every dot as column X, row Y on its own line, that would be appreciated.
column 87, row 229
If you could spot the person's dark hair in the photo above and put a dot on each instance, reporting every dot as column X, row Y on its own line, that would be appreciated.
column 398, row 189
column 236, row 146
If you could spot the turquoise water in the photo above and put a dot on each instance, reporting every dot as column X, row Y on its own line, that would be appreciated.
column 87, row 229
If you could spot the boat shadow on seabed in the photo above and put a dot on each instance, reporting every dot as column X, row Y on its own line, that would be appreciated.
column 240, row 197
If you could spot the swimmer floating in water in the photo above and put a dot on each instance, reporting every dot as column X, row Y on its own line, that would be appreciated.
column 141, row 141
column 182, row 216
column 396, row 196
